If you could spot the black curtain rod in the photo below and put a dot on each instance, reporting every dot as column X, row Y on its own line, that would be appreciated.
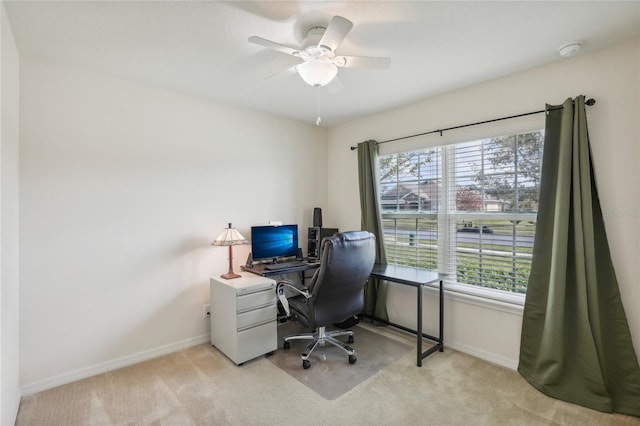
column 589, row 102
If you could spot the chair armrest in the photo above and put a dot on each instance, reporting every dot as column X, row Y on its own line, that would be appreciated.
column 283, row 299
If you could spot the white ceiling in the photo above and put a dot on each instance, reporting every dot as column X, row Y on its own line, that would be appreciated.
column 200, row 47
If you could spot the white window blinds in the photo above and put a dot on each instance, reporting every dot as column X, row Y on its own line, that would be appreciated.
column 467, row 209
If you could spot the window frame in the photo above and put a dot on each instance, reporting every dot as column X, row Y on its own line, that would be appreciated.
column 448, row 217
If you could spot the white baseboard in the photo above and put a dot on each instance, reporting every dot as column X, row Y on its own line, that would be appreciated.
column 478, row 353
column 96, row 369
column 125, row 361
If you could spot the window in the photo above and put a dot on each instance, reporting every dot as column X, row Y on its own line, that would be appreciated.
column 468, row 209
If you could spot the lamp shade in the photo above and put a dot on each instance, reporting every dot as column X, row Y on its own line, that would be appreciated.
column 317, row 72
column 229, row 237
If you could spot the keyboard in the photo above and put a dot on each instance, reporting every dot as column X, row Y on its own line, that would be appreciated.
column 285, row 265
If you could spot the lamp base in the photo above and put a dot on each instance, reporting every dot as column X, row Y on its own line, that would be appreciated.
column 230, row 275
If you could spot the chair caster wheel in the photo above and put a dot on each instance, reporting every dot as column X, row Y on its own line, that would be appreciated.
column 350, row 340
column 352, row 359
column 286, row 345
column 306, row 363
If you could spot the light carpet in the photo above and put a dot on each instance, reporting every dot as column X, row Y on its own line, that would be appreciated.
column 330, row 374
column 200, row 386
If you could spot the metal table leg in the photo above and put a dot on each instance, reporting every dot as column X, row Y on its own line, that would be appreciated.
column 419, row 328
column 441, row 318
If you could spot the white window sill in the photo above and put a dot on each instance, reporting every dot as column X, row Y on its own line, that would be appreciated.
column 511, row 303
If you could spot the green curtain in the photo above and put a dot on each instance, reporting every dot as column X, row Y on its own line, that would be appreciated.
column 375, row 292
column 575, row 345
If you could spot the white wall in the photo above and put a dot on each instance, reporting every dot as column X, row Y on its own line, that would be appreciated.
column 611, row 77
column 9, row 323
column 123, row 188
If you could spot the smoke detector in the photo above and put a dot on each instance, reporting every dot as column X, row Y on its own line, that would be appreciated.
column 569, row 49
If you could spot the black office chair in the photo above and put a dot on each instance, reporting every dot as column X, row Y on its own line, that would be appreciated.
column 334, row 293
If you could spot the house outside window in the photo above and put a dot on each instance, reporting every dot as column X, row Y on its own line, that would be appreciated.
column 467, row 209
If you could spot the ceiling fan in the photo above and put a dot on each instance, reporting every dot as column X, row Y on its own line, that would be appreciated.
column 320, row 63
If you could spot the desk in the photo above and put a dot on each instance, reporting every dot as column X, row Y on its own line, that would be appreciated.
column 418, row 278
column 260, row 269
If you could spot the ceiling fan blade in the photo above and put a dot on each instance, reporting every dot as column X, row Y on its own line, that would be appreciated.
column 284, row 73
column 273, row 45
column 362, row 62
column 335, row 33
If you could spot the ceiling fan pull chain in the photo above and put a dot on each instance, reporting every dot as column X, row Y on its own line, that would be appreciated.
column 318, row 120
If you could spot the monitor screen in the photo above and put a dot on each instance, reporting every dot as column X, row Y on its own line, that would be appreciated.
column 270, row 242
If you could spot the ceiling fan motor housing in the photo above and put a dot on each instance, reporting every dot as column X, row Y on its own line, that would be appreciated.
column 313, row 37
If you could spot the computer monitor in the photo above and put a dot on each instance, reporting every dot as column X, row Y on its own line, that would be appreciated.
column 274, row 241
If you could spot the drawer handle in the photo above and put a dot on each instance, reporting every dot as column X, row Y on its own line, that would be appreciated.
column 255, row 308
column 260, row 290
column 249, row 327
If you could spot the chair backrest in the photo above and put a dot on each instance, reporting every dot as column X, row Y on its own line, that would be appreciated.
column 338, row 284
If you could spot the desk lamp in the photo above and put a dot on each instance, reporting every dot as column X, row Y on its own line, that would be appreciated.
column 230, row 237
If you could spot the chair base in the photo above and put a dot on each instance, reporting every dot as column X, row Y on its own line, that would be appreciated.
column 321, row 337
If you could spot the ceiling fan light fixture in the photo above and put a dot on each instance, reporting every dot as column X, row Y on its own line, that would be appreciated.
column 317, row 72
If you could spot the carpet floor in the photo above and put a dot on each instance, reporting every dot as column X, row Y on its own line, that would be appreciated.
column 200, row 386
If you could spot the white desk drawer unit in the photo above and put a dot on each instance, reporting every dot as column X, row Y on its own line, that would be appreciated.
column 243, row 316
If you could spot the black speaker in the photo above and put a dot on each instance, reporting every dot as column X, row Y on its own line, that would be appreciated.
column 317, row 217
